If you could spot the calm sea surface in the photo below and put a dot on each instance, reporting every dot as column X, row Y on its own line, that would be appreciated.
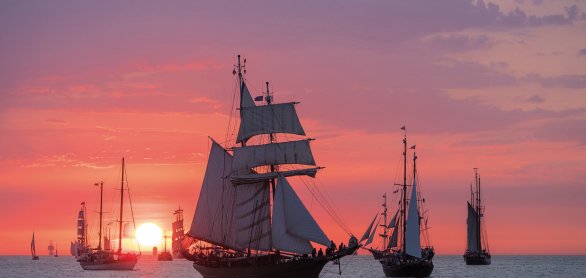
column 352, row 266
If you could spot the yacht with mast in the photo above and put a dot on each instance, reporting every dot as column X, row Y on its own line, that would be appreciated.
column 477, row 252
column 407, row 257
column 106, row 259
column 238, row 234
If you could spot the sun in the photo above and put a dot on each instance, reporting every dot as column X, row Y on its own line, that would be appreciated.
column 149, row 234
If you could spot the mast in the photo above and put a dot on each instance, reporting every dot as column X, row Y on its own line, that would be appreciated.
column 121, row 208
column 268, row 99
column 385, row 227
column 478, row 208
column 101, row 184
column 404, row 200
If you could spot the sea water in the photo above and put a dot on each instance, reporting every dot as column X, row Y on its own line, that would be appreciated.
column 351, row 266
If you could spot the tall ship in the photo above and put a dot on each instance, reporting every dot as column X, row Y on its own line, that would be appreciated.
column 34, row 249
column 477, row 251
column 178, row 234
column 238, row 234
column 80, row 245
column 105, row 258
column 407, row 257
column 383, row 230
column 51, row 248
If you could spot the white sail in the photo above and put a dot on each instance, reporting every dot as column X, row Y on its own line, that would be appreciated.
column 254, row 177
column 371, row 237
column 412, row 241
column 252, row 216
column 266, row 119
column 212, row 221
column 246, row 98
column 473, row 231
column 293, row 152
column 293, row 225
column 367, row 232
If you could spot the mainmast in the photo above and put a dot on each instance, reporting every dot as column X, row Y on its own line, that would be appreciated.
column 101, row 184
column 121, row 209
column 478, row 208
column 269, row 100
column 404, row 199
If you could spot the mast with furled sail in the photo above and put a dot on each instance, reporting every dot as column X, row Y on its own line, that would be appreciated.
column 233, row 217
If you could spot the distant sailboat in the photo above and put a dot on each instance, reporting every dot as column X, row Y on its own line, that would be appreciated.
column 80, row 245
column 477, row 252
column 33, row 248
column 56, row 251
column 50, row 248
column 409, row 259
column 105, row 259
column 233, row 213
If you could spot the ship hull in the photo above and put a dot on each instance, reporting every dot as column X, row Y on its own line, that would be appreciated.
column 294, row 269
column 376, row 254
column 477, row 259
column 399, row 265
column 123, row 265
column 126, row 262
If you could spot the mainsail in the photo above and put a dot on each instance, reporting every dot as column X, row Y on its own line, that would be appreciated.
column 412, row 241
column 472, row 221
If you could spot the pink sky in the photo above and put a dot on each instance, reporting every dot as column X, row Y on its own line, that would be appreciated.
column 497, row 85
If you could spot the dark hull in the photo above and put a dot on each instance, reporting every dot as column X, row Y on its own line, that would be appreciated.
column 477, row 259
column 377, row 254
column 165, row 256
column 105, row 261
column 265, row 266
column 299, row 268
column 399, row 265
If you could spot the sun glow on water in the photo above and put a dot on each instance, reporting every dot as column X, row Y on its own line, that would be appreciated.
column 149, row 234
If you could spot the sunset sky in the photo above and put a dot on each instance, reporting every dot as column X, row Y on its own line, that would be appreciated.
column 498, row 85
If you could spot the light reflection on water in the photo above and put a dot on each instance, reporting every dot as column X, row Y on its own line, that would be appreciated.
column 352, row 266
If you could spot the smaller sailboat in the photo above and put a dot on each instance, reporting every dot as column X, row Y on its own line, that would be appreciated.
column 165, row 255
column 477, row 252
column 106, row 259
column 33, row 248
column 56, row 251
column 410, row 258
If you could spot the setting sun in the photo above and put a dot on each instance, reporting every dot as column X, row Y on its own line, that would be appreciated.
column 149, row 234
